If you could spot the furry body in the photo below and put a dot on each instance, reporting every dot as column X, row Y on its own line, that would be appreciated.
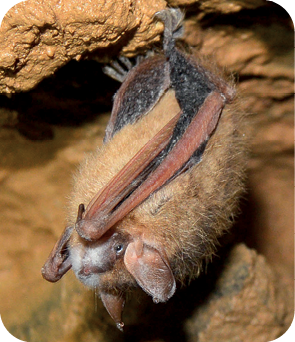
column 189, row 214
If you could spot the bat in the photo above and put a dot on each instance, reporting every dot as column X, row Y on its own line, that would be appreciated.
column 154, row 199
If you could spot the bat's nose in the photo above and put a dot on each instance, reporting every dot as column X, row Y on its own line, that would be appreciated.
column 89, row 269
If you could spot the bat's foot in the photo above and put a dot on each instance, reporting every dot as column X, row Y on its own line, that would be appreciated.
column 173, row 29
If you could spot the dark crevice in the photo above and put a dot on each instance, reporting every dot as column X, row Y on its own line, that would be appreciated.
column 77, row 93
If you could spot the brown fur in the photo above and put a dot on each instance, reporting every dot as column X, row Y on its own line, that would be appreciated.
column 103, row 164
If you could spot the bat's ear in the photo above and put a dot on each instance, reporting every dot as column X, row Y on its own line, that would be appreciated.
column 114, row 303
column 150, row 268
column 58, row 262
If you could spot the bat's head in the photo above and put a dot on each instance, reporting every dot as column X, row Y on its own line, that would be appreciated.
column 112, row 263
column 119, row 259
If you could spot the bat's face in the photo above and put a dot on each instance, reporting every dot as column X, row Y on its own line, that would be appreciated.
column 90, row 260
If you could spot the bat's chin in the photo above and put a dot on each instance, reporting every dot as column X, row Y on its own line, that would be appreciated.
column 92, row 280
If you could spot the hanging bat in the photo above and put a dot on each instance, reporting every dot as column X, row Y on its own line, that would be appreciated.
column 154, row 199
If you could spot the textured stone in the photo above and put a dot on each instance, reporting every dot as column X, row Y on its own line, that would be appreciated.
column 244, row 305
column 37, row 37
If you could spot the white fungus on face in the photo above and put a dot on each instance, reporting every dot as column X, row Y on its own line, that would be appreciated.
column 87, row 256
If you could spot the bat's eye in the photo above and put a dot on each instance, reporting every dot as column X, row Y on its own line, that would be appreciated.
column 120, row 243
column 119, row 249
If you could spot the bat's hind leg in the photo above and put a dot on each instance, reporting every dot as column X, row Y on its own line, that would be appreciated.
column 173, row 29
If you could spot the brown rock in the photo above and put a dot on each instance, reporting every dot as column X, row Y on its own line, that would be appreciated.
column 39, row 37
column 271, row 200
column 245, row 304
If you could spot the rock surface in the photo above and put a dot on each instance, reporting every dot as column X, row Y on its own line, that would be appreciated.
column 246, row 295
column 37, row 37
column 245, row 304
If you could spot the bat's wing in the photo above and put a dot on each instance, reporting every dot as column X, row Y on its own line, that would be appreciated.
column 139, row 93
column 58, row 262
column 176, row 147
